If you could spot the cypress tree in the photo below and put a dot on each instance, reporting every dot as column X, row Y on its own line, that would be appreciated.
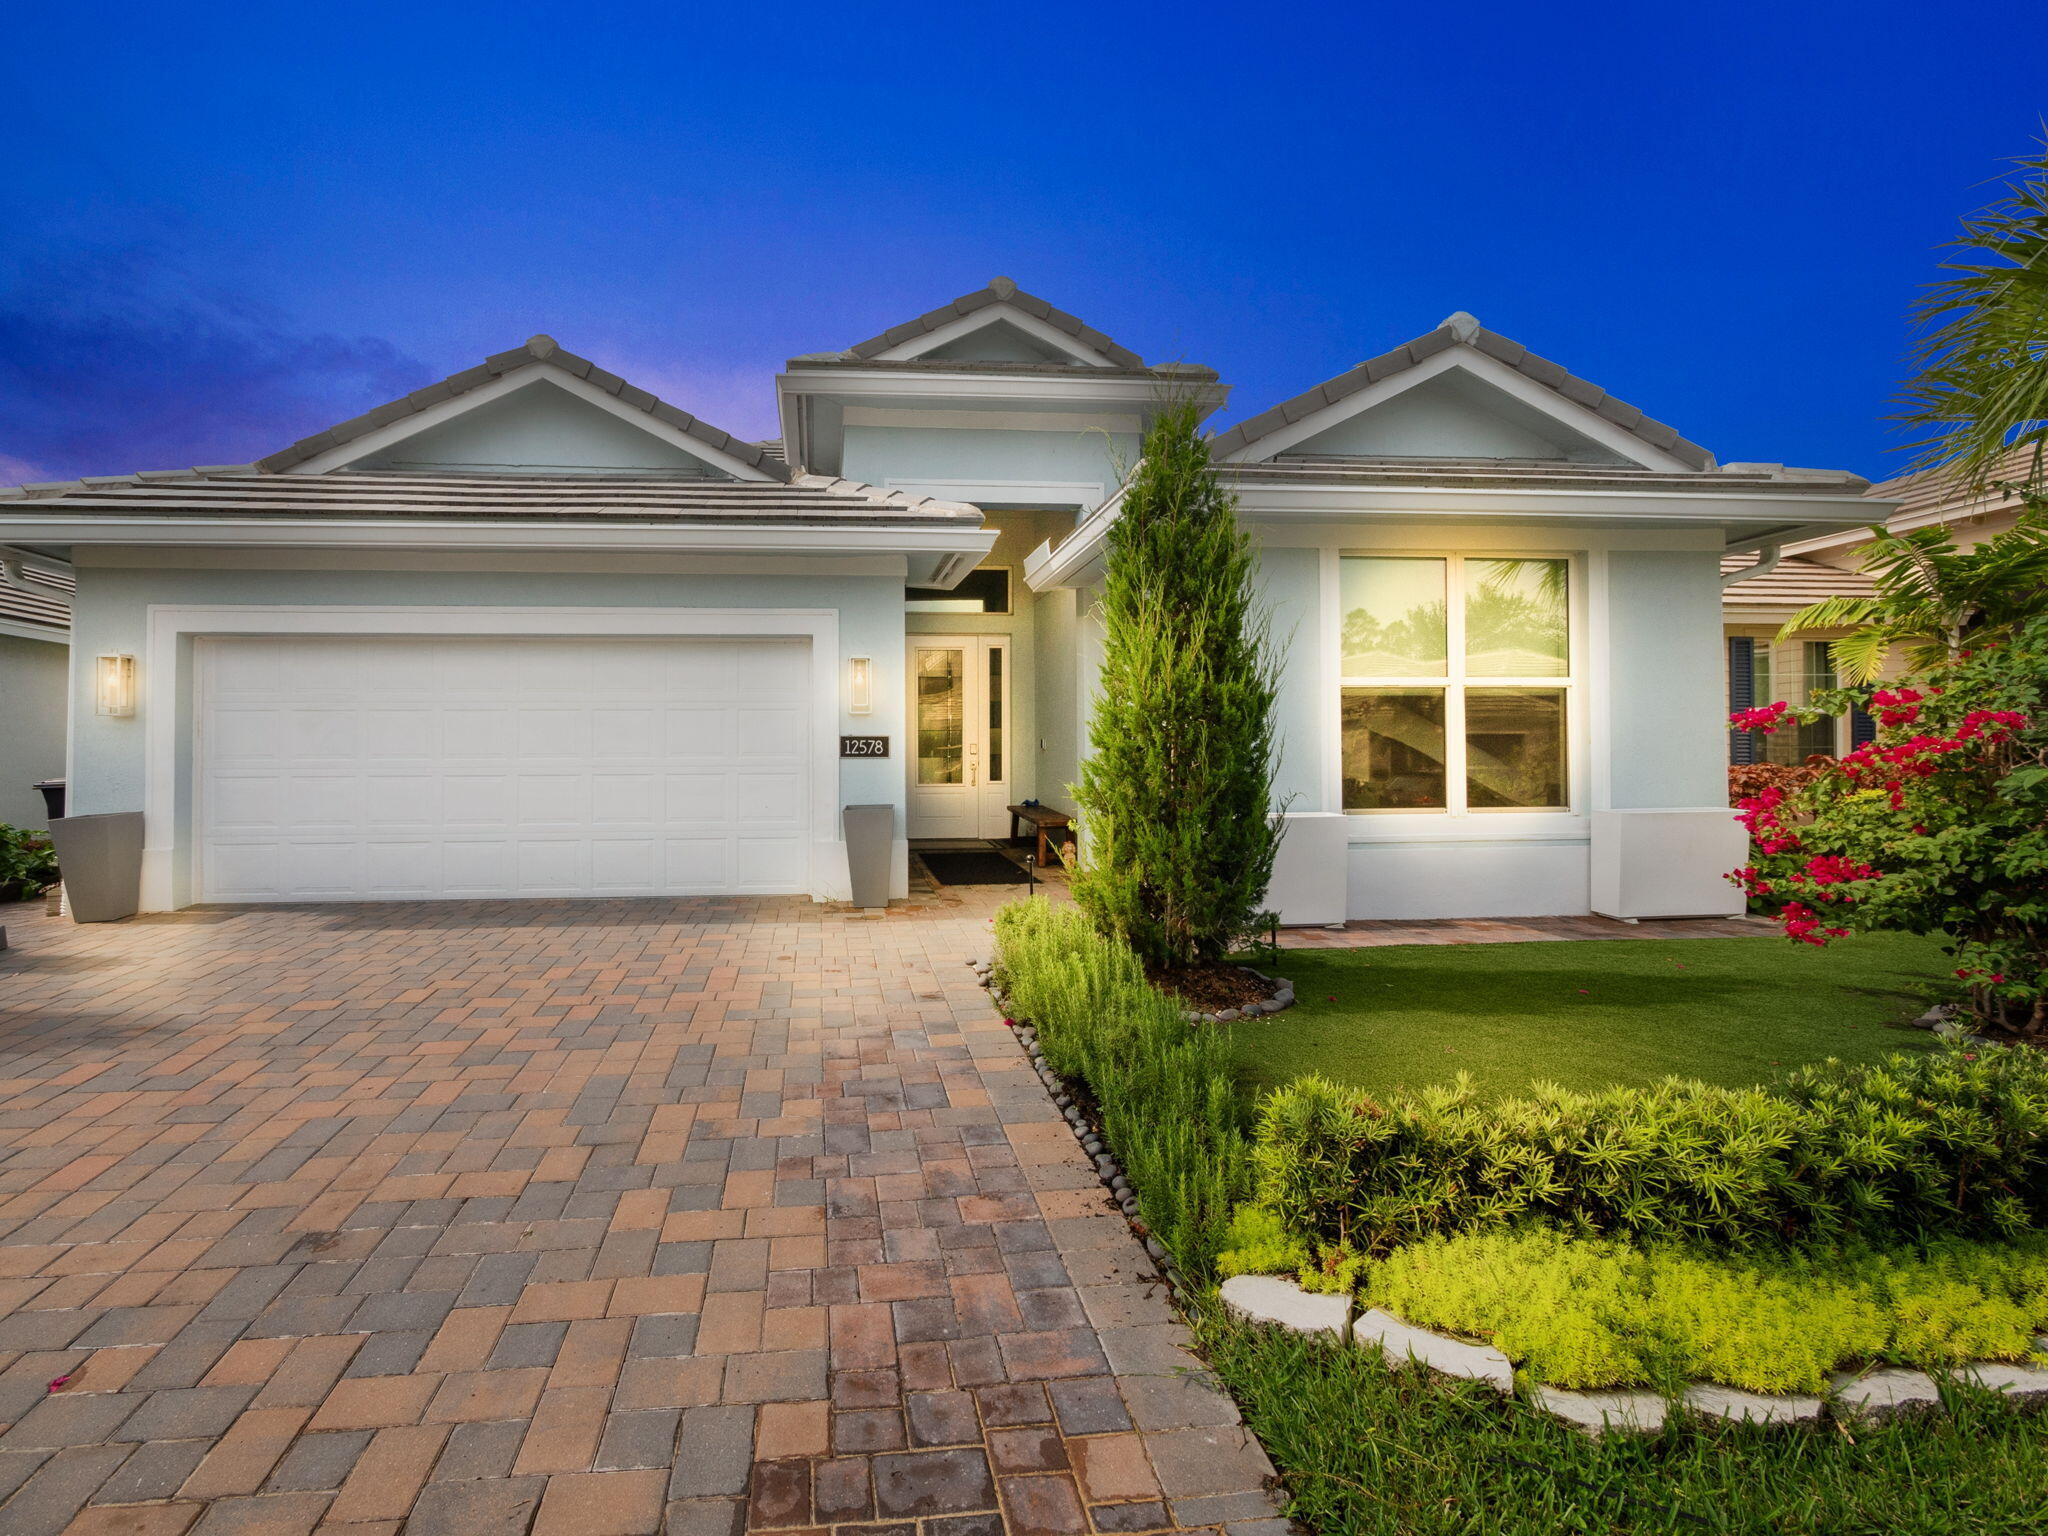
column 1175, row 796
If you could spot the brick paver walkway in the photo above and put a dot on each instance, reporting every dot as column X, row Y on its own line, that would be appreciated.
column 590, row 1219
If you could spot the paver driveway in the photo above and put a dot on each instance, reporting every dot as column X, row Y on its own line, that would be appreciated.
column 593, row 1218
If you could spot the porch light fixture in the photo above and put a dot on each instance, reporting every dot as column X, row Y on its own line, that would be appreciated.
column 113, row 684
column 860, row 685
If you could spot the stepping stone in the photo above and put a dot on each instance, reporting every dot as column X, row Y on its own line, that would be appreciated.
column 1281, row 1303
column 1754, row 1407
column 1599, row 1413
column 1884, row 1394
column 2022, row 1383
column 1401, row 1342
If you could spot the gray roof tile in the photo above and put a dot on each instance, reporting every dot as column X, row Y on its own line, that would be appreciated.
column 579, row 500
column 541, row 351
column 1463, row 328
column 999, row 291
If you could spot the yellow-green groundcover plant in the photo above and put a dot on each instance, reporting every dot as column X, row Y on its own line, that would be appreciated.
column 1600, row 1312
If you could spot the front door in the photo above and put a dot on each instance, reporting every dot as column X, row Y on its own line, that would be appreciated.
column 959, row 724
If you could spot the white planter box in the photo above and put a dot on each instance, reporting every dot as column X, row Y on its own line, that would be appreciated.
column 1667, row 863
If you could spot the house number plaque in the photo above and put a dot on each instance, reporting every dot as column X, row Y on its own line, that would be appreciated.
column 863, row 746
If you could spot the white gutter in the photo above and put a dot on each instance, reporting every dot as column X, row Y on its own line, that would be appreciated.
column 1767, row 557
column 926, row 548
column 14, row 563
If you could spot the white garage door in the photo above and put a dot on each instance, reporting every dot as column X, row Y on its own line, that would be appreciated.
column 412, row 767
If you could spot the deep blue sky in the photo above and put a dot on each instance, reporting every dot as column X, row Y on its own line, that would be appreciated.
column 230, row 225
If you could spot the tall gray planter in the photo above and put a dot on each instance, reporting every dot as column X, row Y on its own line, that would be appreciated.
column 100, row 858
column 870, row 832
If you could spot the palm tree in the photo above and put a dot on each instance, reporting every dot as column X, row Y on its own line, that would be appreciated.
column 1933, row 598
column 1982, row 386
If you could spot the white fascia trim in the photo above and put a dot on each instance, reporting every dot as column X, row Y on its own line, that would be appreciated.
column 1050, row 568
column 1575, row 418
column 1121, row 392
column 1006, row 421
column 21, row 631
column 981, row 319
column 170, row 624
column 1702, row 507
column 422, row 533
column 522, row 378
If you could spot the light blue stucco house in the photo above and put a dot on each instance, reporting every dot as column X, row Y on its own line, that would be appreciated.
column 531, row 631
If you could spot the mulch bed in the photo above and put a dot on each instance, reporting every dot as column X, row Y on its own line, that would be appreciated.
column 1212, row 988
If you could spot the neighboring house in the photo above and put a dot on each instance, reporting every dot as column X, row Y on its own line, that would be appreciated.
column 1761, row 667
column 533, row 632
column 35, row 658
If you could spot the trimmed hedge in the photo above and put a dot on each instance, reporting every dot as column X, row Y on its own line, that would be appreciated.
column 1598, row 1312
column 1945, row 1143
column 1163, row 1089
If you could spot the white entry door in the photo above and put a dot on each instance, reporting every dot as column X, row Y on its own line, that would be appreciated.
column 407, row 767
column 959, row 726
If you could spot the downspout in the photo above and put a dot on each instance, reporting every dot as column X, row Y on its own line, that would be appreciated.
column 1767, row 559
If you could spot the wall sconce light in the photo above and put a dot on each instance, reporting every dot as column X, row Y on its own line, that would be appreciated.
column 113, row 685
column 860, row 685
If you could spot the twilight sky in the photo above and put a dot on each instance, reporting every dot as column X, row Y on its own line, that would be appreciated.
column 229, row 225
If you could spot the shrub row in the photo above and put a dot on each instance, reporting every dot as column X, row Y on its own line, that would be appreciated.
column 1163, row 1090
column 1947, row 1142
column 1597, row 1312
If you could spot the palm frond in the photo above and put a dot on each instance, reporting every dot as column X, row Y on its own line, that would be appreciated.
column 1981, row 388
column 1832, row 613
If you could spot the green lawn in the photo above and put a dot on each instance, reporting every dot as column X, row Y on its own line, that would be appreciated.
column 1590, row 1014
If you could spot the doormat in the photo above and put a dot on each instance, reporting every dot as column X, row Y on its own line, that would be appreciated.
column 970, row 866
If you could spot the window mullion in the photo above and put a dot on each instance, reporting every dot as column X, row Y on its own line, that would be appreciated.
column 1454, row 687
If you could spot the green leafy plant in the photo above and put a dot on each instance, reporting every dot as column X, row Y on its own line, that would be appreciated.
column 1934, row 600
column 1258, row 1243
column 1598, row 1312
column 28, row 865
column 1938, row 825
column 1163, row 1089
column 1981, row 393
column 1176, row 792
column 1949, row 1141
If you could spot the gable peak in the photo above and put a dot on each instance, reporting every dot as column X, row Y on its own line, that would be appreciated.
column 1460, row 323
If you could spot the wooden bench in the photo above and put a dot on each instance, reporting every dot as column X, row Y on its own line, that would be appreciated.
column 1043, row 819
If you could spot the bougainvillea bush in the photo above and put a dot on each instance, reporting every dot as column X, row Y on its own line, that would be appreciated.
column 1938, row 825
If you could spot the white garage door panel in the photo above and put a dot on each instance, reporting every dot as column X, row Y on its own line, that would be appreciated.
column 344, row 768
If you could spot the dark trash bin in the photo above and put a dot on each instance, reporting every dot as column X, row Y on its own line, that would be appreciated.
column 52, row 791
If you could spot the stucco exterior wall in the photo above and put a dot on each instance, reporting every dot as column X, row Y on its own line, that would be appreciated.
column 32, row 689
column 992, row 467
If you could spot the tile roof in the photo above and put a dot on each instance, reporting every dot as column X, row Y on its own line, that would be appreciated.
column 1000, row 290
column 537, row 350
column 805, row 500
column 1793, row 583
column 42, row 602
column 1459, row 329
column 1938, row 491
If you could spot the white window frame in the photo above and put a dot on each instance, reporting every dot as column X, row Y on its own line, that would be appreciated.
column 1456, row 683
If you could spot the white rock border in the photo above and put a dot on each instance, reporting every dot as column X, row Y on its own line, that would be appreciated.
column 1853, row 1397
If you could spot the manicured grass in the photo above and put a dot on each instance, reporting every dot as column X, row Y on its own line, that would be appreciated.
column 1586, row 1015
column 1365, row 1451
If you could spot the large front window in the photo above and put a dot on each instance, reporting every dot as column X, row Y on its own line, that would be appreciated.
column 1457, row 683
